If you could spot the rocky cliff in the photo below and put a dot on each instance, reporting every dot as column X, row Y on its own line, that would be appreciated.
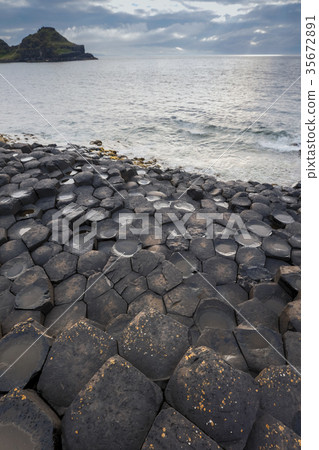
column 47, row 45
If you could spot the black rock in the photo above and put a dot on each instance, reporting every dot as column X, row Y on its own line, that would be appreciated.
column 280, row 394
column 256, row 313
column 97, row 285
column 91, row 262
column 70, row 290
column 74, row 358
column 250, row 256
column 259, row 228
column 27, row 422
column 154, row 343
column 269, row 432
column 46, row 188
column 223, row 341
column 131, row 286
column 106, row 307
column 19, row 315
column 171, row 430
column 11, row 249
column 61, row 266
column 38, row 296
column 9, row 205
column 222, row 269
column 290, row 318
column 144, row 262
column 64, row 316
column 260, row 348
column 202, row 248
column 84, row 179
column 276, row 247
column 7, row 303
column 147, row 300
column 250, row 275
column 212, row 313
column 116, row 326
column 182, row 300
column 232, row 294
column 117, row 390
column 206, row 390
column 117, row 268
column 22, row 354
column 164, row 278
column 290, row 279
column 292, row 345
column 36, row 236
column 17, row 266
column 42, row 254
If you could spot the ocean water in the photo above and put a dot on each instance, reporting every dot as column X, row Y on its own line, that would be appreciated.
column 205, row 114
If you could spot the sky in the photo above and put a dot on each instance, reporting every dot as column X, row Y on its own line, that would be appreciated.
column 160, row 27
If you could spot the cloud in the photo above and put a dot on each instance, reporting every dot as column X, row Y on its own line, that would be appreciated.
column 123, row 27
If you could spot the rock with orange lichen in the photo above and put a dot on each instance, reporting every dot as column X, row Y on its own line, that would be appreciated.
column 74, row 358
column 171, row 430
column 115, row 410
column 154, row 343
column 22, row 354
column 281, row 394
column 220, row 400
column 27, row 422
column 269, row 432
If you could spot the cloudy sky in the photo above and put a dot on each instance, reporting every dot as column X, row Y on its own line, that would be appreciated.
column 154, row 27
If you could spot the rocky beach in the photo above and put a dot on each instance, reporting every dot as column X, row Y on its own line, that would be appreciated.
column 143, row 308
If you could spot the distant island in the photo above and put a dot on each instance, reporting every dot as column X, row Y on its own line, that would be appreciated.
column 47, row 45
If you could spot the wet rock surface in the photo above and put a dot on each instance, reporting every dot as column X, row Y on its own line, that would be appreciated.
column 174, row 280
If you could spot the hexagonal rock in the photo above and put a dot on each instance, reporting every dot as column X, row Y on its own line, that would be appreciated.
column 74, row 358
column 106, row 307
column 11, row 249
column 224, row 343
column 46, row 188
column 202, row 248
column 84, row 178
column 61, row 266
column 206, row 390
column 19, row 315
column 276, row 247
column 91, row 262
column 17, row 266
column 164, row 278
column 29, row 277
column 42, row 254
column 70, row 290
column 182, row 300
column 38, row 296
column 256, row 313
column 271, row 295
column 115, row 410
column 232, row 294
column 36, row 236
column 260, row 348
column 269, row 432
column 97, row 285
column 224, row 270
column 250, row 256
column 154, row 343
column 27, row 422
column 290, row 318
column 292, row 344
column 212, row 313
column 289, row 278
column 131, row 286
column 25, row 337
column 144, row 261
column 281, row 394
column 117, row 268
column 64, row 316
column 147, row 300
column 172, row 430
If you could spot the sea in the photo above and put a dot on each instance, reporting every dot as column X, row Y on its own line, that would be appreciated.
column 234, row 117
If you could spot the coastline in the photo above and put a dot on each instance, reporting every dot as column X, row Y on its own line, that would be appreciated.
column 209, row 298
